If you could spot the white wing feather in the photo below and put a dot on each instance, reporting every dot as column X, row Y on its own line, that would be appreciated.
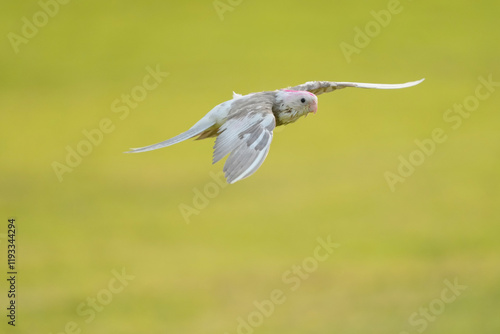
column 246, row 136
column 320, row 87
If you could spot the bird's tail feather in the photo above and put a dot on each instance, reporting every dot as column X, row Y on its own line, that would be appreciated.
column 197, row 129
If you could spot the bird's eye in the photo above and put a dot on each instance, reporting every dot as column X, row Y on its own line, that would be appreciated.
column 302, row 100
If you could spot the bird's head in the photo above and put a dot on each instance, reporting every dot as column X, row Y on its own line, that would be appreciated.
column 292, row 104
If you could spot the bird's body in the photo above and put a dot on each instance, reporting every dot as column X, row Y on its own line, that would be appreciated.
column 244, row 125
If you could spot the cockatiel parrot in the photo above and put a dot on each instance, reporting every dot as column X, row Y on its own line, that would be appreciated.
column 244, row 125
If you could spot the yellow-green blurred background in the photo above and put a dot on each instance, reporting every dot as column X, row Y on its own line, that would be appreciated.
column 323, row 177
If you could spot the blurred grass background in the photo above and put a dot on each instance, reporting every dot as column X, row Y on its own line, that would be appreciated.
column 324, row 175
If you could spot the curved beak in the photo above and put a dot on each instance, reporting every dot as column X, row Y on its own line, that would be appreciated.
column 313, row 107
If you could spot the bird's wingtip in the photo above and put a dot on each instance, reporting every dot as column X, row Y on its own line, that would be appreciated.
column 414, row 83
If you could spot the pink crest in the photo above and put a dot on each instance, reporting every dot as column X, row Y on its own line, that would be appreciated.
column 298, row 91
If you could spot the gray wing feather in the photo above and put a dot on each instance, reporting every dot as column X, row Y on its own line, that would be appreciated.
column 195, row 130
column 246, row 137
column 320, row 87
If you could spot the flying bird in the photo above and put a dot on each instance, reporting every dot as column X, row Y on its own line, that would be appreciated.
column 244, row 125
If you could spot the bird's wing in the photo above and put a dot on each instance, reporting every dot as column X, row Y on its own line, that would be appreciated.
column 202, row 125
column 320, row 87
column 246, row 136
